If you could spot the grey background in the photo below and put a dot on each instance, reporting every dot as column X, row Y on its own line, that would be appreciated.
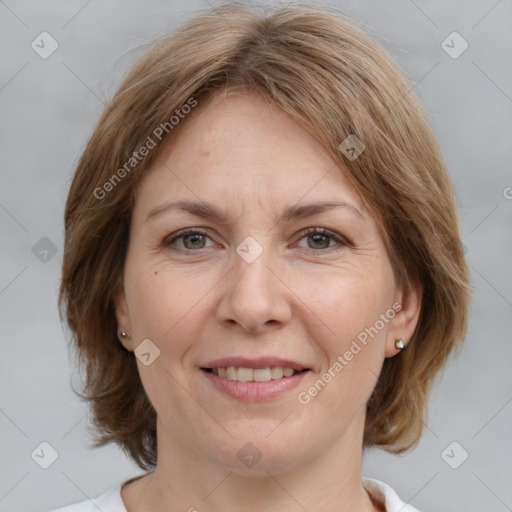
column 49, row 108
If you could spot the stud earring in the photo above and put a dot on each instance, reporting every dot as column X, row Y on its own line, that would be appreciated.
column 399, row 344
column 124, row 335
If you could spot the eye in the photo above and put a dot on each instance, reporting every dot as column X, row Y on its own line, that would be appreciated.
column 188, row 240
column 321, row 239
column 317, row 239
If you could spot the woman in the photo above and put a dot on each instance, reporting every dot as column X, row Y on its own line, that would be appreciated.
column 262, row 269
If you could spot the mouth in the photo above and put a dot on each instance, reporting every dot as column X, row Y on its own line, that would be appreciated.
column 254, row 380
column 244, row 374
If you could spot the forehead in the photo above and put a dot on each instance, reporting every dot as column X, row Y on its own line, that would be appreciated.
column 240, row 150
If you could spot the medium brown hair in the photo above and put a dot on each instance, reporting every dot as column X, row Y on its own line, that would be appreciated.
column 335, row 80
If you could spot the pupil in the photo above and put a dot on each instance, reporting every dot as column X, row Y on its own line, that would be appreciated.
column 318, row 239
column 194, row 239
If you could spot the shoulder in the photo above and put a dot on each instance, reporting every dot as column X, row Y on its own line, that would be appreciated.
column 387, row 496
column 109, row 501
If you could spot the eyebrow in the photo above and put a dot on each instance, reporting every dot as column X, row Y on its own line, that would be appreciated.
column 209, row 211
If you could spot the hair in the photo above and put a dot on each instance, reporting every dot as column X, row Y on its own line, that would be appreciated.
column 328, row 74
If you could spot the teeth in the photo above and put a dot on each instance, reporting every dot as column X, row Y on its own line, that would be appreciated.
column 253, row 375
column 261, row 375
column 288, row 372
column 245, row 374
column 277, row 372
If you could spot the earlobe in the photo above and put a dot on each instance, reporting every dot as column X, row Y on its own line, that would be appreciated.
column 123, row 320
column 405, row 321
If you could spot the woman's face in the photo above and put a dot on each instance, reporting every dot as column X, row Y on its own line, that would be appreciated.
column 254, row 288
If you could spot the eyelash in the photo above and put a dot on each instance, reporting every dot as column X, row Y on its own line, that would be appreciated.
column 308, row 232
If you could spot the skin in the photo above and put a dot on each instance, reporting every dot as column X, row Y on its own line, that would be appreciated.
column 304, row 298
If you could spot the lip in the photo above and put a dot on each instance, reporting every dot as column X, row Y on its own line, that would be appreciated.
column 260, row 362
column 254, row 391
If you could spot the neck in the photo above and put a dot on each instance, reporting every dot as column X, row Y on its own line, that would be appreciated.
column 187, row 480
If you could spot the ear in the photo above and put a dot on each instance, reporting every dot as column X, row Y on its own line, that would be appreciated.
column 123, row 319
column 404, row 323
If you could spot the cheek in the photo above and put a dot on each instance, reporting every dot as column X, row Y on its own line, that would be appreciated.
column 168, row 307
column 352, row 347
column 351, row 305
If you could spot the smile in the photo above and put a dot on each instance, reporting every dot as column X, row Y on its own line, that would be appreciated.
column 254, row 384
column 242, row 374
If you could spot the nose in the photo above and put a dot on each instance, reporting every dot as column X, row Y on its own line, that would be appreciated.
column 254, row 298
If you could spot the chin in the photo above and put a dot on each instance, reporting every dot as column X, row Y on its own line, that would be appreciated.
column 261, row 456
